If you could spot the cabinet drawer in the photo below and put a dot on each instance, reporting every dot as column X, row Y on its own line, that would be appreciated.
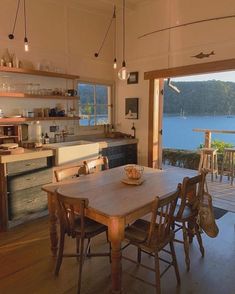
column 30, row 179
column 26, row 202
column 26, row 165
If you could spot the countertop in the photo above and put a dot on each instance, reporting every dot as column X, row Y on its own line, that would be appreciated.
column 32, row 154
column 28, row 154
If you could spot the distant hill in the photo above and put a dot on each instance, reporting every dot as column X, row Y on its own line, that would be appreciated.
column 200, row 98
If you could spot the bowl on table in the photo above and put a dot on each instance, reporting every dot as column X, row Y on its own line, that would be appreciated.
column 134, row 172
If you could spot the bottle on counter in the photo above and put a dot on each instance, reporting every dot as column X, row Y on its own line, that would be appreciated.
column 46, row 139
column 38, row 132
column 133, row 131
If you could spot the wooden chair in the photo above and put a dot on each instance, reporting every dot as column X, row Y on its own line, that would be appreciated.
column 186, row 213
column 228, row 164
column 74, row 224
column 152, row 237
column 208, row 160
column 96, row 165
column 69, row 172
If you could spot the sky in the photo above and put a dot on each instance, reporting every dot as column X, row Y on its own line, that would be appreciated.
column 228, row 76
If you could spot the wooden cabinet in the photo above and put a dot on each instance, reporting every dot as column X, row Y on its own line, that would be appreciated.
column 121, row 155
column 10, row 133
column 18, row 94
column 21, row 197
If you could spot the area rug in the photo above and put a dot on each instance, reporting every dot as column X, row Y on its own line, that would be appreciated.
column 219, row 212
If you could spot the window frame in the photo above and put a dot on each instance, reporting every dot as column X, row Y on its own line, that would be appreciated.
column 110, row 105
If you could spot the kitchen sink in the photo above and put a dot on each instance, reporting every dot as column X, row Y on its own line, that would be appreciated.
column 66, row 152
column 63, row 144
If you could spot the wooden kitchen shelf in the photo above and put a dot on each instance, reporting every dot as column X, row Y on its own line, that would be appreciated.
column 38, row 73
column 25, row 119
column 24, row 95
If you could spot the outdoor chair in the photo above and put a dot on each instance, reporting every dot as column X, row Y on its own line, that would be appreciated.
column 74, row 224
column 209, row 161
column 228, row 164
column 152, row 237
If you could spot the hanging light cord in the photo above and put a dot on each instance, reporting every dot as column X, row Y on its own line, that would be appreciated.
column 115, row 30
column 106, row 34
column 25, row 23
column 124, row 33
column 11, row 36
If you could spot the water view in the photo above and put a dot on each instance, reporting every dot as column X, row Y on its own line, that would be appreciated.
column 178, row 130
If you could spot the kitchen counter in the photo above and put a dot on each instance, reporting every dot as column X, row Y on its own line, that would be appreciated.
column 113, row 142
column 28, row 154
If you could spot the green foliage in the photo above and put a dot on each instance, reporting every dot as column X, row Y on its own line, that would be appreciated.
column 201, row 98
column 220, row 145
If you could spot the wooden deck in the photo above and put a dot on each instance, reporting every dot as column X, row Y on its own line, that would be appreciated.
column 222, row 192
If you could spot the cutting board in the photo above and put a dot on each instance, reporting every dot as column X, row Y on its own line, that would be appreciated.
column 14, row 151
column 9, row 146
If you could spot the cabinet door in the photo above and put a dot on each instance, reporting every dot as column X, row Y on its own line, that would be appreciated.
column 121, row 155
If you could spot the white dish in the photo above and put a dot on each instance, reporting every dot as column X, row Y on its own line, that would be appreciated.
column 132, row 182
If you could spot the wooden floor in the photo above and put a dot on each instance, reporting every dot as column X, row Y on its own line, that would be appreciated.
column 27, row 265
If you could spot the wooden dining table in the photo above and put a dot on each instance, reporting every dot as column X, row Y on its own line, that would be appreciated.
column 114, row 204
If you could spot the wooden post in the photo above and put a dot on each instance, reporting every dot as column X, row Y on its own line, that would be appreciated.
column 207, row 139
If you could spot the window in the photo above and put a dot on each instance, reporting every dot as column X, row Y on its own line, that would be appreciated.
column 94, row 104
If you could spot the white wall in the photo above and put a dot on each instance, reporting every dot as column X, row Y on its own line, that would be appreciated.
column 66, row 33
column 170, row 48
column 62, row 34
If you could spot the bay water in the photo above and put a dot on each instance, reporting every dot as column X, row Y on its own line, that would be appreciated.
column 178, row 130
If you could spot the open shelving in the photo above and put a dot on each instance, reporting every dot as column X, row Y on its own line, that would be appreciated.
column 19, row 95
column 38, row 72
column 25, row 119
column 25, row 95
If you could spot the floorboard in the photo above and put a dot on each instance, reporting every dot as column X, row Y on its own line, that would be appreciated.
column 27, row 265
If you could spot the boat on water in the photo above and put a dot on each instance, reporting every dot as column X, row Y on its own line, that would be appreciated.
column 182, row 114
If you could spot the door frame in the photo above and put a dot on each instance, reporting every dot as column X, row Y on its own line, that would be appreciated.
column 156, row 100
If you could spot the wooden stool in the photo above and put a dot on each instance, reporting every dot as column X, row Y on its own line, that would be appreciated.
column 228, row 164
column 208, row 160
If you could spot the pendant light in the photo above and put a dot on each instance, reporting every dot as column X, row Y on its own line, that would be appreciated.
column 123, row 73
column 113, row 19
column 12, row 36
column 26, row 43
column 114, row 39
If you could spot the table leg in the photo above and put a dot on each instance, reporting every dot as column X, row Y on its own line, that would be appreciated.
column 53, row 223
column 116, row 236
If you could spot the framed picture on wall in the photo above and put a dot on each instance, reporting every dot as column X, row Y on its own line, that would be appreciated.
column 133, row 78
column 132, row 108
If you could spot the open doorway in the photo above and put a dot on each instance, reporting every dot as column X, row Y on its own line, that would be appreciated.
column 155, row 94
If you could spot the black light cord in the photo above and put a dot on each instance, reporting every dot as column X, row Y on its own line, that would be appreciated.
column 115, row 30
column 106, row 34
column 25, row 24
column 123, row 32
column 11, row 36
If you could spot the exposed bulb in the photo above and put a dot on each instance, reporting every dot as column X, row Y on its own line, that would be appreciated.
column 115, row 63
column 123, row 74
column 26, row 45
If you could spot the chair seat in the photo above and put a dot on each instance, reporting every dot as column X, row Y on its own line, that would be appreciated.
column 91, row 227
column 137, row 233
column 187, row 213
